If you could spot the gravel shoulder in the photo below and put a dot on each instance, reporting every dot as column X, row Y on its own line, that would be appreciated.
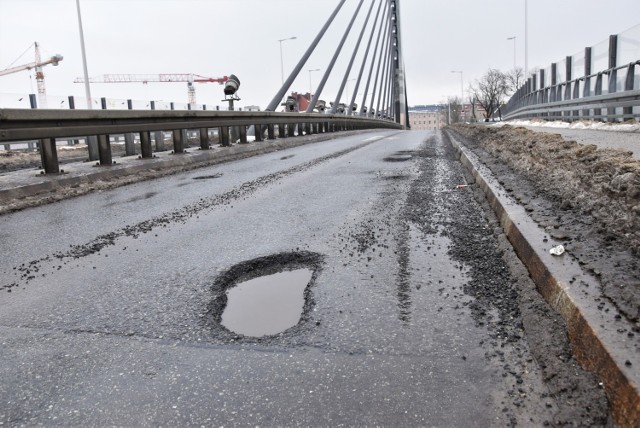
column 589, row 198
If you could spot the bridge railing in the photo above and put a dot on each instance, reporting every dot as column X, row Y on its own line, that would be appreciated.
column 570, row 90
column 48, row 125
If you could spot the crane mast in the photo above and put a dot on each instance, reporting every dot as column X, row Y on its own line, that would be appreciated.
column 37, row 65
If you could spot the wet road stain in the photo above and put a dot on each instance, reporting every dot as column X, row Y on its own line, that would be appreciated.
column 286, row 157
column 268, row 304
column 208, row 177
column 146, row 196
column 398, row 157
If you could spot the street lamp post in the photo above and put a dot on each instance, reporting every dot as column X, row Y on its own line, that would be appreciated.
column 461, row 92
column 310, row 84
column 281, row 60
column 526, row 40
column 514, row 50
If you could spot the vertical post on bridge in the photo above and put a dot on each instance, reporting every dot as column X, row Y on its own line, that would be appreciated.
column 178, row 141
column 204, row 139
column 587, row 80
column 271, row 134
column 223, row 132
column 158, row 135
column 146, row 151
column 242, row 134
column 104, row 145
column 49, row 156
column 129, row 145
column 72, row 106
column 613, row 74
column 259, row 132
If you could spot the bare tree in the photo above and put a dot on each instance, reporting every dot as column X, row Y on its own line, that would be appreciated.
column 490, row 90
column 515, row 79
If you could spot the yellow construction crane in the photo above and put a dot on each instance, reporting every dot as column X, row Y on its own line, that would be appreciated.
column 37, row 65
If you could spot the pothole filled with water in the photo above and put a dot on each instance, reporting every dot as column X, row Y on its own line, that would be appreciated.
column 266, row 305
column 265, row 296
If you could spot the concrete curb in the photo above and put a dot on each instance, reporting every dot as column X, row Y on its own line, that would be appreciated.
column 571, row 292
column 46, row 184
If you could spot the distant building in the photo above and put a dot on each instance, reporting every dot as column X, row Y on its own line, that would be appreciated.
column 430, row 119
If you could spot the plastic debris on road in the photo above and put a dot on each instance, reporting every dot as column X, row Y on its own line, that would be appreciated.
column 557, row 251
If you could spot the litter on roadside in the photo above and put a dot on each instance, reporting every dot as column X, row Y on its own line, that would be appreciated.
column 557, row 251
column 460, row 186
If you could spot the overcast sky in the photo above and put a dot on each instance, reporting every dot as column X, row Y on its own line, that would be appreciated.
column 219, row 37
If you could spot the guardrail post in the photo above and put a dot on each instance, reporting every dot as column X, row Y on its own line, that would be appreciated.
column 598, row 91
column 613, row 74
column 104, row 149
column 271, row 132
column 567, row 90
column 49, row 156
column 204, row 139
column 34, row 105
column 223, row 132
column 281, row 131
column 242, row 132
column 178, row 141
column 158, row 135
column 129, row 141
column 587, row 80
column 145, row 145
column 258, row 132
column 291, row 129
column 553, row 89
column 542, row 92
column 72, row 106
column 628, row 86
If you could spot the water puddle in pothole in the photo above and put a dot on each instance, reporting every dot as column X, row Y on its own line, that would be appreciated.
column 266, row 305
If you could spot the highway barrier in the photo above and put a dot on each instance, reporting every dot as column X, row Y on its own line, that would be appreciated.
column 572, row 90
column 48, row 125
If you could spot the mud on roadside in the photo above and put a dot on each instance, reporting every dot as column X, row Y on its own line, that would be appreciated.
column 586, row 198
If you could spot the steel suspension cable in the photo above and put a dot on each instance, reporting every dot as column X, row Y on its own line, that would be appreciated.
column 294, row 74
column 353, row 58
column 384, row 70
column 316, row 96
column 383, row 55
column 381, row 31
column 364, row 59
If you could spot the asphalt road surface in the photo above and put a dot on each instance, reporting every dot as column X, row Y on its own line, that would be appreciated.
column 108, row 312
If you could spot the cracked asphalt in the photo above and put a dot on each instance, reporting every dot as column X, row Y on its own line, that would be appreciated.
column 417, row 314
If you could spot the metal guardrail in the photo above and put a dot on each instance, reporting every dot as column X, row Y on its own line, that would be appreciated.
column 47, row 125
column 605, row 95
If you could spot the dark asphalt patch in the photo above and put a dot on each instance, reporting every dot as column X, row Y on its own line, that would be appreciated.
column 286, row 157
column 255, row 268
column 208, row 177
column 398, row 157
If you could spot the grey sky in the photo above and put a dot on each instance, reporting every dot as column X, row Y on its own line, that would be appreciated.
column 219, row 37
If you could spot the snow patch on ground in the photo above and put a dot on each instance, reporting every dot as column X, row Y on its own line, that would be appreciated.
column 592, row 125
